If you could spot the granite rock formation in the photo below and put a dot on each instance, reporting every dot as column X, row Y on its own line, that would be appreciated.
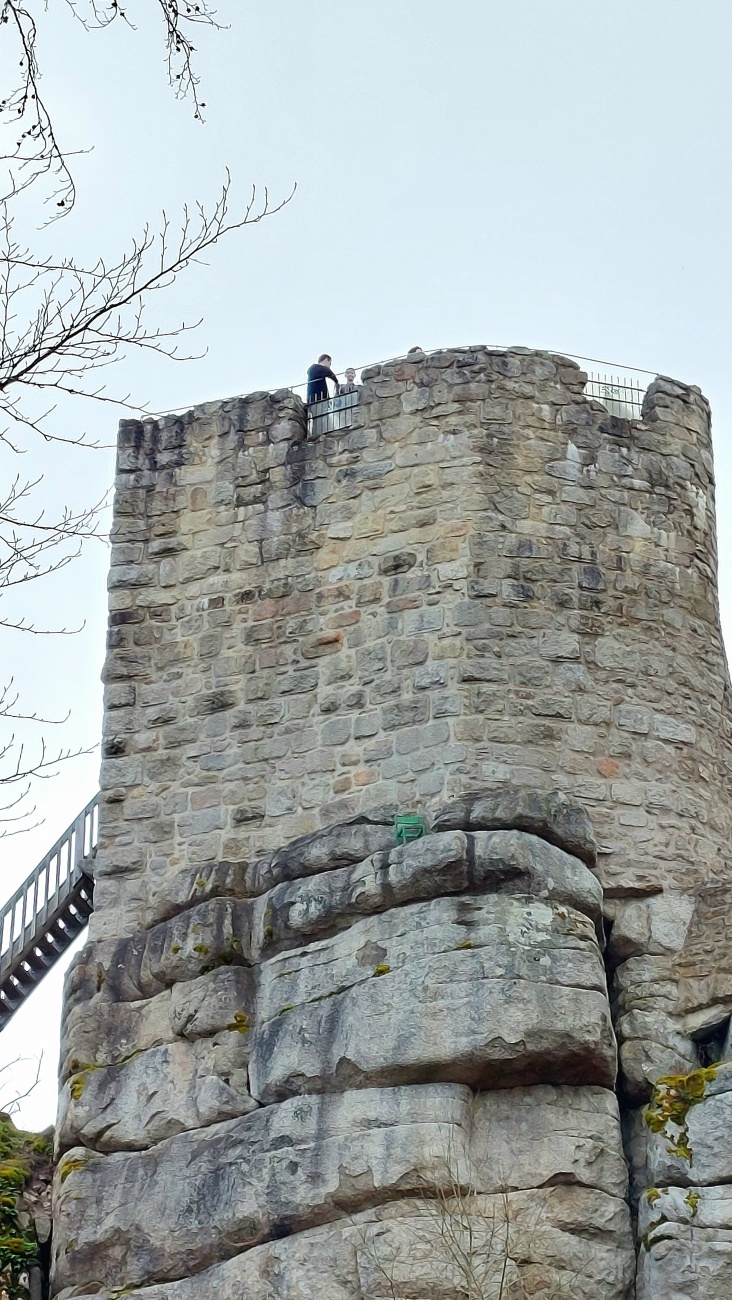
column 300, row 1059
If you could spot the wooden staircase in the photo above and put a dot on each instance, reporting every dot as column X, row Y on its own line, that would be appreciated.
column 45, row 915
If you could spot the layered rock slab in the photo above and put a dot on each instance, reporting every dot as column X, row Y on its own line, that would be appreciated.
column 489, row 991
column 195, row 1199
column 561, row 1243
column 500, row 985
column 156, row 1094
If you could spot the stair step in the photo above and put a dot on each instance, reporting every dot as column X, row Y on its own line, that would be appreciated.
column 59, row 919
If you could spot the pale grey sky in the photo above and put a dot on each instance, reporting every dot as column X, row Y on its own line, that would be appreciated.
column 545, row 174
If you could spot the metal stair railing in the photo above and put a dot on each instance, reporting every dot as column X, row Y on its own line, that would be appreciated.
column 45, row 915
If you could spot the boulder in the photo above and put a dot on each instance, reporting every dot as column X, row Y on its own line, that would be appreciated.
column 489, row 991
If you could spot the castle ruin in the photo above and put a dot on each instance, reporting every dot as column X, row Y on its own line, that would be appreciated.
column 307, row 1057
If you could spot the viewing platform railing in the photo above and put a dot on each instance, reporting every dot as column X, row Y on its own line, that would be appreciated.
column 623, row 396
column 331, row 415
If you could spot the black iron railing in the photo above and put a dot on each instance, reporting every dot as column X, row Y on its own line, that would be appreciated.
column 331, row 415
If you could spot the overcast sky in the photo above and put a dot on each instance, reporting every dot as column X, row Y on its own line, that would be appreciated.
column 550, row 175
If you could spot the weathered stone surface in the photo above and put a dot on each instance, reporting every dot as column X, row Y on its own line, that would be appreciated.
column 552, row 816
column 444, row 863
column 686, row 1251
column 652, row 1039
column 219, row 1000
column 198, row 1198
column 155, row 1094
column 334, row 846
column 533, row 1137
column 488, row 991
column 211, row 934
column 309, row 1160
column 100, row 1032
column 560, row 1243
column 649, row 925
column 171, row 892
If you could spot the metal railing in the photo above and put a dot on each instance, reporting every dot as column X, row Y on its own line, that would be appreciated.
column 44, row 916
column 331, row 415
column 48, row 885
column 623, row 396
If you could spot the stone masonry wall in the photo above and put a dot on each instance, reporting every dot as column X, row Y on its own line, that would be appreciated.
column 490, row 602
column 487, row 580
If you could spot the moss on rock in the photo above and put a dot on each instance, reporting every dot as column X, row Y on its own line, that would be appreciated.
column 22, row 1155
column 667, row 1112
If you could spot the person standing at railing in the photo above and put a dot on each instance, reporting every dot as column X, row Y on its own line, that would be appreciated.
column 350, row 385
column 318, row 375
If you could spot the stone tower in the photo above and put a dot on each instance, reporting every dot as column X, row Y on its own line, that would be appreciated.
column 302, row 1061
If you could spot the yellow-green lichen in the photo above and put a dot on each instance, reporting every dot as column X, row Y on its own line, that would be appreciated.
column 667, row 1112
column 175, row 947
column 69, row 1166
column 382, row 969
column 76, row 1087
column 201, row 948
column 653, row 1195
column 465, row 944
column 692, row 1199
column 645, row 1240
column 240, row 1023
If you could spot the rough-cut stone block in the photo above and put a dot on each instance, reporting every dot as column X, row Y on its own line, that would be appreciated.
column 486, row 991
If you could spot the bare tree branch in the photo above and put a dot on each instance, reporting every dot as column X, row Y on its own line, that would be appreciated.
column 34, row 151
column 64, row 323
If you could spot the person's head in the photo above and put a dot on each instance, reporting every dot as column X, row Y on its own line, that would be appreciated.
column 324, row 359
column 350, row 375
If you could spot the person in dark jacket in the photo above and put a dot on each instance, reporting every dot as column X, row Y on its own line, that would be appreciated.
column 317, row 375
